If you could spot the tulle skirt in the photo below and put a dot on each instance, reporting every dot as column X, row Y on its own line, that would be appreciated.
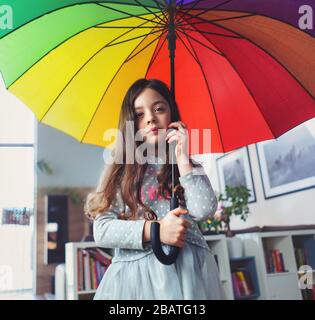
column 194, row 276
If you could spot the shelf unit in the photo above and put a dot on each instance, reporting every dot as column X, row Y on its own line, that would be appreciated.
column 304, row 250
column 246, row 265
column 267, row 285
column 72, row 292
column 218, row 245
column 275, row 285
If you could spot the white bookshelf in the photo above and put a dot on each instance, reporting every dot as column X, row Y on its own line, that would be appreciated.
column 272, row 286
column 277, row 285
column 218, row 245
column 72, row 291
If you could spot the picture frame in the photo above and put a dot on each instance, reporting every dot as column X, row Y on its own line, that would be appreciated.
column 234, row 169
column 287, row 164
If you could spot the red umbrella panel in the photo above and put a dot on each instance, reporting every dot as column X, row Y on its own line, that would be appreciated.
column 247, row 78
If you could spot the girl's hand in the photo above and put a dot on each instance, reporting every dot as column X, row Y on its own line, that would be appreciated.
column 180, row 135
column 173, row 228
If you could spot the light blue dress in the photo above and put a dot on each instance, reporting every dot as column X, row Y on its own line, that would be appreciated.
column 135, row 273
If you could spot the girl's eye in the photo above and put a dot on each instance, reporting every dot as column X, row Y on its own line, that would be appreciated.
column 139, row 114
column 159, row 109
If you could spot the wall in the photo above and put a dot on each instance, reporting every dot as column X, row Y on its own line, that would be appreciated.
column 291, row 209
column 76, row 167
column 74, row 164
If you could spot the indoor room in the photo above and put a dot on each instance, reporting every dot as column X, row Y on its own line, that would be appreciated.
column 130, row 172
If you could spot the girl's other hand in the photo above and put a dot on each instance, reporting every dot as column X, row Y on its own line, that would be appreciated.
column 173, row 228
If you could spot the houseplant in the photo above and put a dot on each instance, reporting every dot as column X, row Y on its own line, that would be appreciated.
column 234, row 201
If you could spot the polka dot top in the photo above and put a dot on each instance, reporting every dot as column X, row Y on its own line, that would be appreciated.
column 126, row 236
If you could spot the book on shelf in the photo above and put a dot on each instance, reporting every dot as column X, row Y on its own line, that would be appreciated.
column 241, row 281
column 92, row 265
column 274, row 261
column 301, row 256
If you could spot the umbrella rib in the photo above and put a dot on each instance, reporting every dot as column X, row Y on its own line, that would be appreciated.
column 180, row 38
column 189, row 9
column 130, row 58
column 161, row 8
column 253, row 14
column 203, row 20
column 201, row 33
column 208, row 9
column 124, row 27
column 269, row 54
column 54, row 10
column 150, row 11
column 154, row 56
column 209, row 91
column 212, row 33
column 194, row 16
column 216, row 20
column 102, row 48
column 124, row 3
column 204, row 45
column 199, row 1
column 229, row 36
column 249, row 91
column 130, row 39
column 127, row 13
column 59, row 44
column 96, row 109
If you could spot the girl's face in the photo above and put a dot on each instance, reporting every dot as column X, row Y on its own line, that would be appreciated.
column 152, row 111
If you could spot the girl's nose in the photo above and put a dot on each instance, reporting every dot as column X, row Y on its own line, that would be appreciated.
column 150, row 118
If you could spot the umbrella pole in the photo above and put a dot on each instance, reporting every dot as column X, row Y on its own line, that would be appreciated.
column 171, row 257
column 172, row 47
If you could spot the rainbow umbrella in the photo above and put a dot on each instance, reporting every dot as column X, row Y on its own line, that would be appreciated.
column 243, row 68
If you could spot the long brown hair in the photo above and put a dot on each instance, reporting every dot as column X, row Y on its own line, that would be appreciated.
column 129, row 177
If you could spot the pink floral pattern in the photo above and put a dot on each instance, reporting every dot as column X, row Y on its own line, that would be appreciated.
column 160, row 197
column 153, row 195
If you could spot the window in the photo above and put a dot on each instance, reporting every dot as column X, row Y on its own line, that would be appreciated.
column 17, row 173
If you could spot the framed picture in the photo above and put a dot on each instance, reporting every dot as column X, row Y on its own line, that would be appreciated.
column 288, row 164
column 234, row 170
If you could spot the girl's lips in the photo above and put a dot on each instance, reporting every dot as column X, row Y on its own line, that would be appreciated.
column 154, row 131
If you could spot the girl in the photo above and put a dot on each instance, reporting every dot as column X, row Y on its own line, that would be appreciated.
column 130, row 196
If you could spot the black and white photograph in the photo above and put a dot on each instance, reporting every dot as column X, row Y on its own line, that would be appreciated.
column 234, row 170
column 287, row 163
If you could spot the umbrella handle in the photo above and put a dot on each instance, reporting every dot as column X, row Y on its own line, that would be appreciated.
column 156, row 242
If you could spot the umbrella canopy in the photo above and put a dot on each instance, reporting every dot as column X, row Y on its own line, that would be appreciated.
column 243, row 68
